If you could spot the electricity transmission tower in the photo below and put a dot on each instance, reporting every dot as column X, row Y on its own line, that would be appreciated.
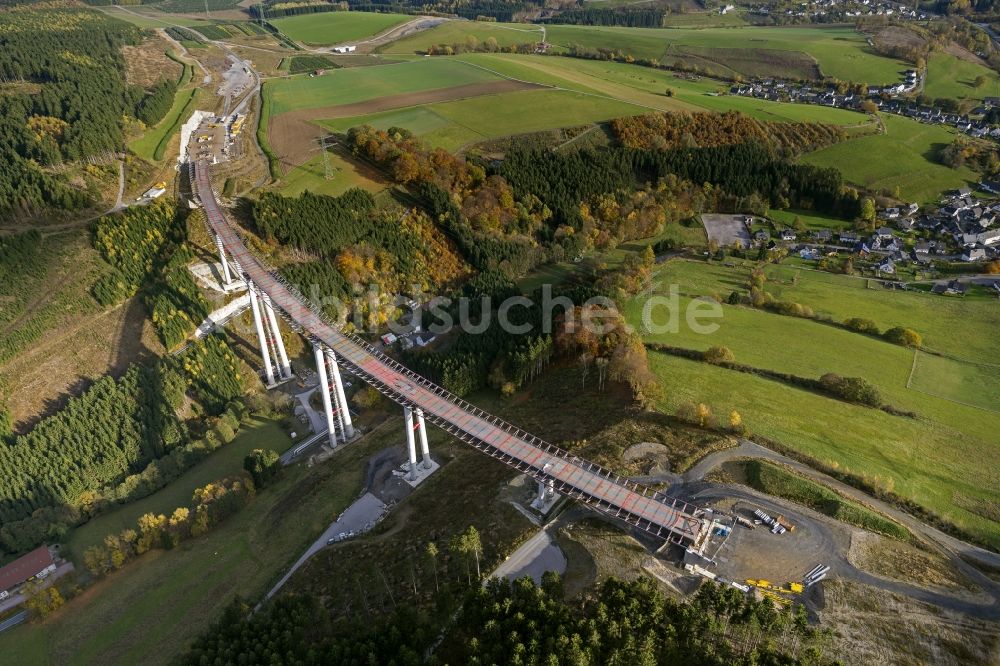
column 327, row 168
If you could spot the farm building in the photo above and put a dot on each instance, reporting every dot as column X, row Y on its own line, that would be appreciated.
column 345, row 49
column 36, row 564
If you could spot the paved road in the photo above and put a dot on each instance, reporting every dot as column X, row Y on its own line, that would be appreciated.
column 13, row 621
column 356, row 518
column 535, row 556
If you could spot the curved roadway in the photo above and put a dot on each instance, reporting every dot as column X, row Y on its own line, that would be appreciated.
column 609, row 493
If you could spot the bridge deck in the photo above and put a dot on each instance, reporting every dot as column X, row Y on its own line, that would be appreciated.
column 650, row 511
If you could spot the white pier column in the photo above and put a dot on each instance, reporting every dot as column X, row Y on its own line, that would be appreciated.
column 324, row 387
column 425, row 452
column 338, row 385
column 339, row 405
column 261, row 335
column 286, row 368
column 225, row 264
column 411, row 445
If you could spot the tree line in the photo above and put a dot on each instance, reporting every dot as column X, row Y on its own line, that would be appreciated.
column 651, row 17
column 212, row 504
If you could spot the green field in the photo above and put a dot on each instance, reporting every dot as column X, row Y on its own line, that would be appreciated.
column 607, row 90
column 588, row 92
column 840, row 52
column 257, row 433
column 336, row 27
column 931, row 459
column 948, row 76
column 647, row 87
column 350, row 85
column 311, row 176
column 700, row 19
column 786, row 218
column 903, row 157
column 149, row 144
column 970, row 383
column 148, row 611
column 842, row 297
column 148, row 17
column 452, row 125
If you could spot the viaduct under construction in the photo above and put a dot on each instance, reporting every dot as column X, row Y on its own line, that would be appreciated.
column 650, row 511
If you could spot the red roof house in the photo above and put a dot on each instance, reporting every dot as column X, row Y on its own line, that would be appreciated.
column 25, row 567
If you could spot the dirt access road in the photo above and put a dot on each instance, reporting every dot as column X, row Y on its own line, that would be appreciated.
column 824, row 537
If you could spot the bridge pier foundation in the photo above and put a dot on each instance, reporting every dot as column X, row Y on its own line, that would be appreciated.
column 546, row 497
column 324, row 388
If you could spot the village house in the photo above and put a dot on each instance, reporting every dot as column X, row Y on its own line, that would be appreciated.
column 36, row 564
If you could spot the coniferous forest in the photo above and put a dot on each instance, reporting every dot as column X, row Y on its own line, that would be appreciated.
column 64, row 99
column 520, row 623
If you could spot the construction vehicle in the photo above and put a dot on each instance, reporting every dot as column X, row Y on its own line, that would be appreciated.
column 761, row 584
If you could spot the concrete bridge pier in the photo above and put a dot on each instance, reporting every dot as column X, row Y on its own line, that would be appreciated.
column 227, row 275
column 425, row 453
column 324, row 388
column 261, row 335
column 344, row 413
column 411, row 446
column 285, row 367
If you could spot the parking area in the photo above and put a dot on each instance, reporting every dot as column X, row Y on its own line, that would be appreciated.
column 726, row 229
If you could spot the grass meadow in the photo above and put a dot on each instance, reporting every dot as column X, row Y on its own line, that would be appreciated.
column 256, row 433
column 808, row 218
column 904, row 157
column 351, row 85
column 326, row 28
column 149, row 144
column 932, row 459
column 345, row 174
column 454, row 124
column 840, row 52
column 149, row 17
column 587, row 92
column 948, row 76
column 647, row 87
